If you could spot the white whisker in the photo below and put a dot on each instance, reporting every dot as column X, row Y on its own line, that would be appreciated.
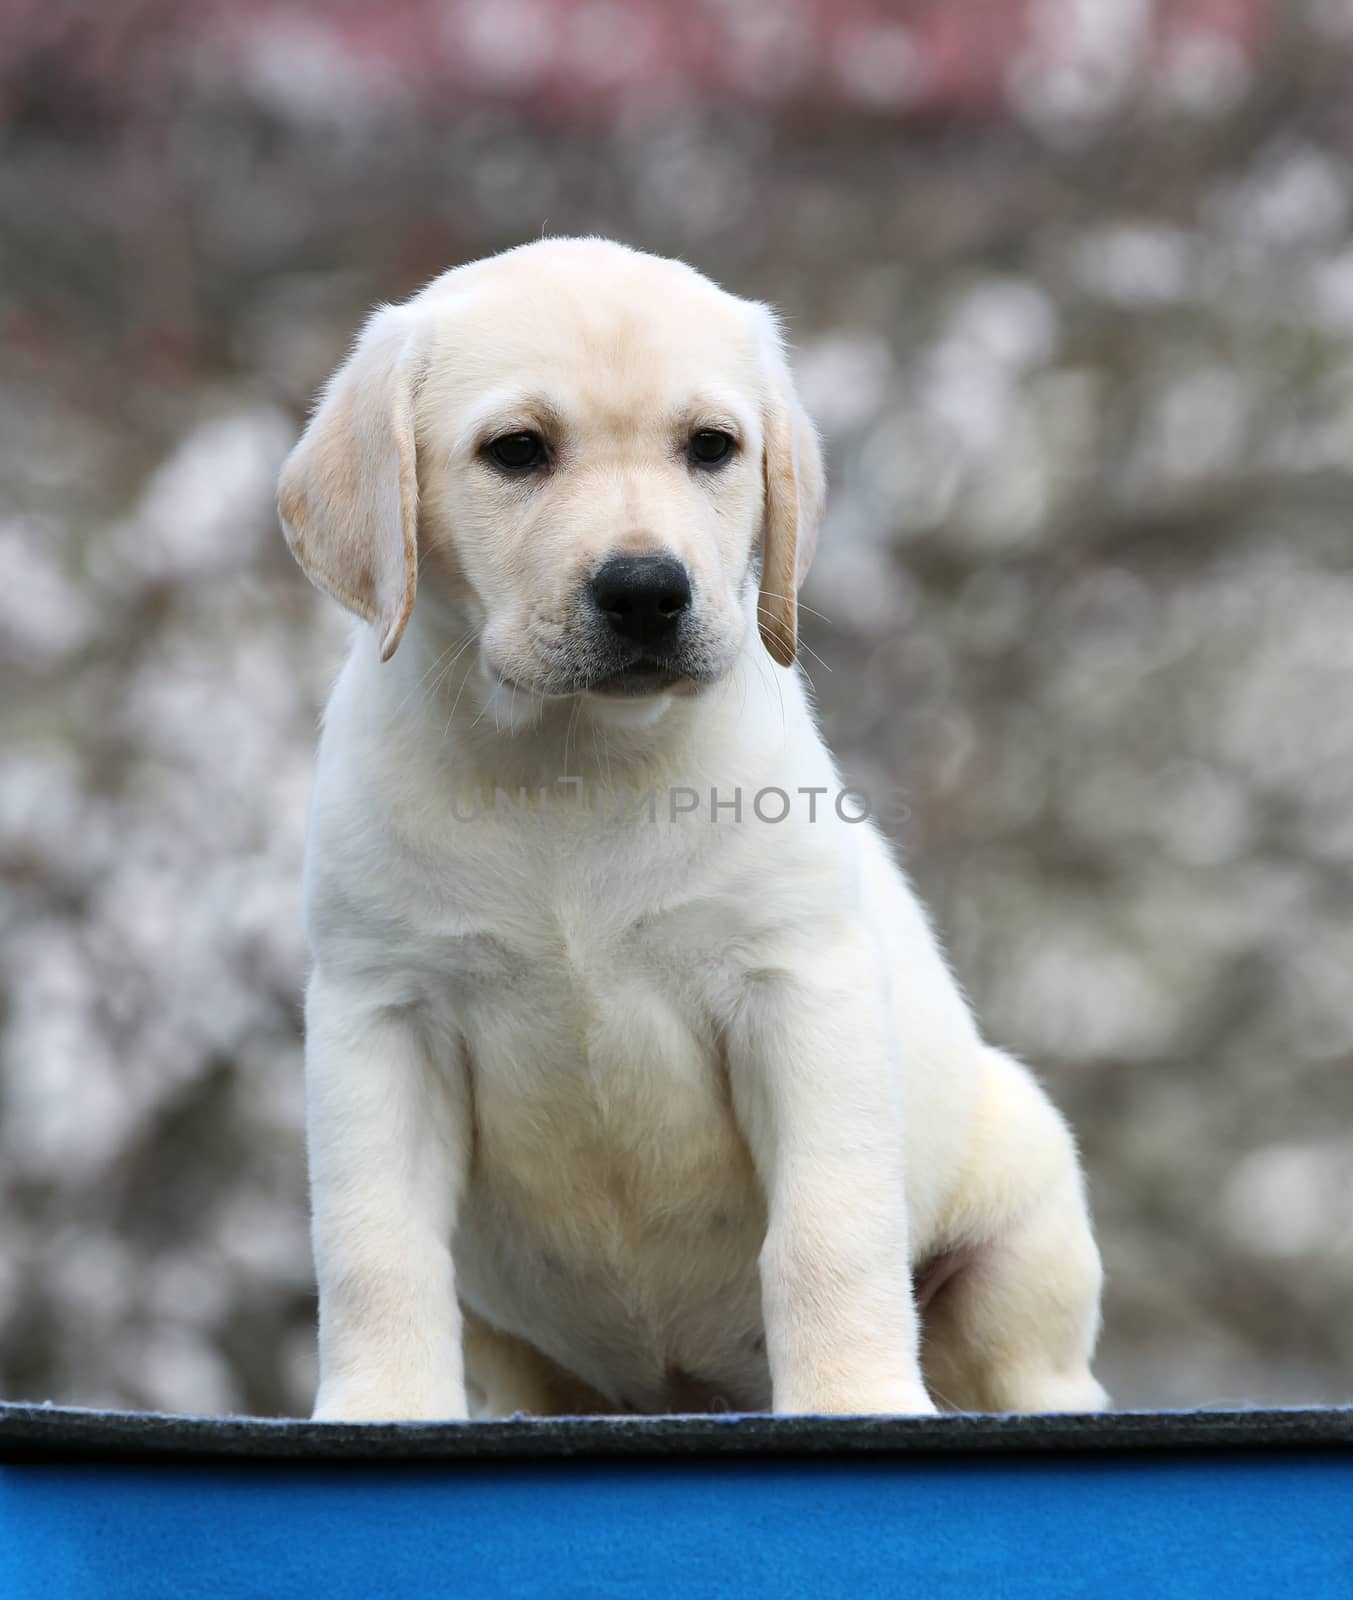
column 455, row 643
column 771, row 595
column 801, row 644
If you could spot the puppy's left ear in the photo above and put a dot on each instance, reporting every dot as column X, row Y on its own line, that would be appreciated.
column 348, row 495
column 795, row 493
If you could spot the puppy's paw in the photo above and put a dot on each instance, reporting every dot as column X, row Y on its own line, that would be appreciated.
column 1053, row 1391
column 862, row 1398
column 375, row 1403
column 911, row 1401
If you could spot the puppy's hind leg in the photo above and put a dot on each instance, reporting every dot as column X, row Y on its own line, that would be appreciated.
column 507, row 1377
column 1015, row 1327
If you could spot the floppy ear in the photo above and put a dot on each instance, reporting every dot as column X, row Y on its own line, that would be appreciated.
column 795, row 491
column 348, row 495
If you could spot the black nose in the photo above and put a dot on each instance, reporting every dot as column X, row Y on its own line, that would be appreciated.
column 642, row 597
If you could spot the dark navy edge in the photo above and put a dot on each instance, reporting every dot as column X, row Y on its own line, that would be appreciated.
column 39, row 1433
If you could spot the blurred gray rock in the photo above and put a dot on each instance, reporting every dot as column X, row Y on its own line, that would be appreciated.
column 1082, row 626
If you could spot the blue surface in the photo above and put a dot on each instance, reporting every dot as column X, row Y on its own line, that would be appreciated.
column 1178, row 1526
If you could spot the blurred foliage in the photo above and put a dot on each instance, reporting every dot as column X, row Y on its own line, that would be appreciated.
column 1084, row 615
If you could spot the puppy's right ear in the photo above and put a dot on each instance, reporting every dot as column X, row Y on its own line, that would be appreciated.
column 348, row 495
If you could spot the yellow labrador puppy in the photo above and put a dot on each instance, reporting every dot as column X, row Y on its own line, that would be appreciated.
column 636, row 1078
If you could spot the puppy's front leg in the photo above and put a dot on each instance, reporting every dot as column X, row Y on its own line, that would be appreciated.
column 817, row 1087
column 388, row 1134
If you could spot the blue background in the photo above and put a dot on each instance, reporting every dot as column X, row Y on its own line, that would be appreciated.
column 1205, row 1525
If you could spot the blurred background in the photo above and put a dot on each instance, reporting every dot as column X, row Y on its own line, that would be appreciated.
column 1071, row 287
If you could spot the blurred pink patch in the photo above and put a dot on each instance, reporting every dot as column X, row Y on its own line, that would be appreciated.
column 578, row 58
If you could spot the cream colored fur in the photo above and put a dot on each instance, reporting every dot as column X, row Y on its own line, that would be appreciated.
column 608, row 1108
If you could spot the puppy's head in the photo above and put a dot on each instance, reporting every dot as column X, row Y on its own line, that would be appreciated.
column 586, row 453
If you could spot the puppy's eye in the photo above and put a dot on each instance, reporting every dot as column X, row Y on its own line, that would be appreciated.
column 711, row 447
column 518, row 452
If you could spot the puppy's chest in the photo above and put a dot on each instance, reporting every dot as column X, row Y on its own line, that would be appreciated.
column 587, row 1002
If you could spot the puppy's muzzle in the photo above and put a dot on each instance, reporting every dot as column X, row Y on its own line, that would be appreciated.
column 643, row 599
